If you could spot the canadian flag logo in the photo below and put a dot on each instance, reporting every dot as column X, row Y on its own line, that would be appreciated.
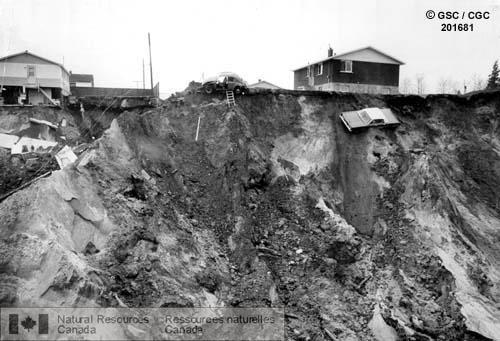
column 29, row 324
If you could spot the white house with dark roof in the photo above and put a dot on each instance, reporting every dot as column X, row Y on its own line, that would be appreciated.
column 262, row 84
column 26, row 78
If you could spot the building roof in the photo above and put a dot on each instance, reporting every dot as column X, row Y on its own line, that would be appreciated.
column 265, row 84
column 81, row 78
column 345, row 55
column 33, row 55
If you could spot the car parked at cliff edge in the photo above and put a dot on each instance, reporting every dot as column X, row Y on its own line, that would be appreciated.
column 225, row 81
column 369, row 117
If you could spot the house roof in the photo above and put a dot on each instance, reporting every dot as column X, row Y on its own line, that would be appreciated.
column 346, row 54
column 262, row 82
column 81, row 78
column 33, row 55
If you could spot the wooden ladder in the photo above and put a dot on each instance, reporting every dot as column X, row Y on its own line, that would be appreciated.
column 230, row 98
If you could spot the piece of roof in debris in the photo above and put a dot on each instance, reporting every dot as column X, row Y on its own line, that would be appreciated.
column 7, row 140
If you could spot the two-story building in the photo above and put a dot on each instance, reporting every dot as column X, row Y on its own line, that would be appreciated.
column 26, row 78
column 365, row 70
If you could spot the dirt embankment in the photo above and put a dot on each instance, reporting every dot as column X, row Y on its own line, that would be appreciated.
column 383, row 234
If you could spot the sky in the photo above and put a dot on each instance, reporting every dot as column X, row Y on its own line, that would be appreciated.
column 258, row 39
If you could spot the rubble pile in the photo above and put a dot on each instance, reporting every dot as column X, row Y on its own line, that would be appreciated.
column 384, row 234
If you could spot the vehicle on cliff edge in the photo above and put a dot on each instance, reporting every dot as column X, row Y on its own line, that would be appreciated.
column 225, row 81
column 369, row 117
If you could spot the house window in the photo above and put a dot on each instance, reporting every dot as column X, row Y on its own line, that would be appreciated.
column 346, row 66
column 319, row 69
column 31, row 70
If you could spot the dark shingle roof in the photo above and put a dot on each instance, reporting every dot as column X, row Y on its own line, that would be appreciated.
column 339, row 56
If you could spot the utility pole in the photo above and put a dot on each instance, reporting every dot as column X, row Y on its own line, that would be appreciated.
column 150, row 61
column 143, row 75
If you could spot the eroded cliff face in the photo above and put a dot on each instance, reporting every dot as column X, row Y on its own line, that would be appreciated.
column 382, row 234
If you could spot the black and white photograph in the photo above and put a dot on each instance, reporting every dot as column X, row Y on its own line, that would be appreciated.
column 279, row 170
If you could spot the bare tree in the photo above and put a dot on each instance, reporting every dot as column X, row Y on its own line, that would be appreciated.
column 420, row 80
column 477, row 83
column 448, row 86
column 455, row 87
column 406, row 86
column 443, row 85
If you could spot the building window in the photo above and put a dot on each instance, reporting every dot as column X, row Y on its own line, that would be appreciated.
column 31, row 70
column 346, row 66
column 319, row 69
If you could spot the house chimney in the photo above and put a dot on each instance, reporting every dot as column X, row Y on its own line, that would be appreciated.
column 330, row 51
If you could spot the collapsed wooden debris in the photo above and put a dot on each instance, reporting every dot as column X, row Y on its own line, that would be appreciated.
column 28, row 145
column 47, row 123
column 65, row 157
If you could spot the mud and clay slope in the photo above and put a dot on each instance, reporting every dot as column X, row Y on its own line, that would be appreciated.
column 383, row 234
